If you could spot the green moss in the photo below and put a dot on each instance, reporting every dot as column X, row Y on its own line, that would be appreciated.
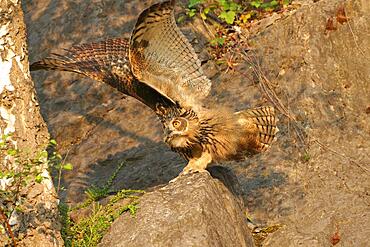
column 66, row 224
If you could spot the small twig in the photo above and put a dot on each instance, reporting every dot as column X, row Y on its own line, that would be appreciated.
column 350, row 159
column 208, row 29
column 266, row 88
column 60, row 170
column 8, row 227
column 354, row 39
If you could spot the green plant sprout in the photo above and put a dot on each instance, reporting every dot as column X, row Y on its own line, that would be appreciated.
column 89, row 230
column 232, row 12
column 226, row 10
column 269, row 5
column 57, row 162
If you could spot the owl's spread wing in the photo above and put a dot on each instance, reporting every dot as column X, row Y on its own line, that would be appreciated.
column 161, row 56
column 96, row 60
column 105, row 61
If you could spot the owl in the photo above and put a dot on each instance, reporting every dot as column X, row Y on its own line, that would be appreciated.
column 159, row 67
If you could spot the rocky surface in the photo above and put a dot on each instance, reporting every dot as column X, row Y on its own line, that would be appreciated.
column 195, row 210
column 324, row 77
column 30, row 208
column 317, row 64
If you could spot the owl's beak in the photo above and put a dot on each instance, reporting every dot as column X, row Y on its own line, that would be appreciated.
column 167, row 135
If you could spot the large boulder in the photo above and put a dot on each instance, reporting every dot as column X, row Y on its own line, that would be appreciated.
column 194, row 210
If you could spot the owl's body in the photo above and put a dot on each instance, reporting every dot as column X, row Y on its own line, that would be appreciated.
column 218, row 135
column 159, row 67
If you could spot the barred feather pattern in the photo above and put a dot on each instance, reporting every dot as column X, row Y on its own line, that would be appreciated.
column 105, row 61
column 264, row 119
column 162, row 56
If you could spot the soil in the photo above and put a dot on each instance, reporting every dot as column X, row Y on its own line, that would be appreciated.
column 316, row 187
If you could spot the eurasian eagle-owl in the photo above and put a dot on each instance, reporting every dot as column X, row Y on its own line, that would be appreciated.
column 159, row 67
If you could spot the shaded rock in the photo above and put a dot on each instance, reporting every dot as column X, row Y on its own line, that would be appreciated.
column 195, row 210
column 325, row 75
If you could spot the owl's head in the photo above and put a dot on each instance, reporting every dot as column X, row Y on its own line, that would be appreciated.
column 177, row 132
column 180, row 127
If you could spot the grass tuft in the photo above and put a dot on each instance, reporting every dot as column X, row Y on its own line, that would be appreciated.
column 90, row 229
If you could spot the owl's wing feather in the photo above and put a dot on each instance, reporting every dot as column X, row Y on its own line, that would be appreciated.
column 161, row 56
column 95, row 60
column 105, row 61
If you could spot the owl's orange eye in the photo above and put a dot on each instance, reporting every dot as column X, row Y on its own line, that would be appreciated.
column 176, row 123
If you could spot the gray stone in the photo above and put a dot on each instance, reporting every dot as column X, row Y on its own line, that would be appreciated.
column 195, row 210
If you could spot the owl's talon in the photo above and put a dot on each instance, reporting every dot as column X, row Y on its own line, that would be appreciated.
column 188, row 171
column 192, row 170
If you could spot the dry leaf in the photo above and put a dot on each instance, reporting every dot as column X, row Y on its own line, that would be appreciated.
column 330, row 24
column 341, row 15
column 335, row 238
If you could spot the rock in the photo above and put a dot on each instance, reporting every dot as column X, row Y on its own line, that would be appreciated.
column 5, row 182
column 326, row 192
column 195, row 210
column 14, row 218
column 35, row 191
column 77, row 215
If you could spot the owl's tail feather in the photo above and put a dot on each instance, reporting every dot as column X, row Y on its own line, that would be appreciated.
column 264, row 119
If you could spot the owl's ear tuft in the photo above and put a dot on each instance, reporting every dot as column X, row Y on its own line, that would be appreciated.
column 161, row 110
